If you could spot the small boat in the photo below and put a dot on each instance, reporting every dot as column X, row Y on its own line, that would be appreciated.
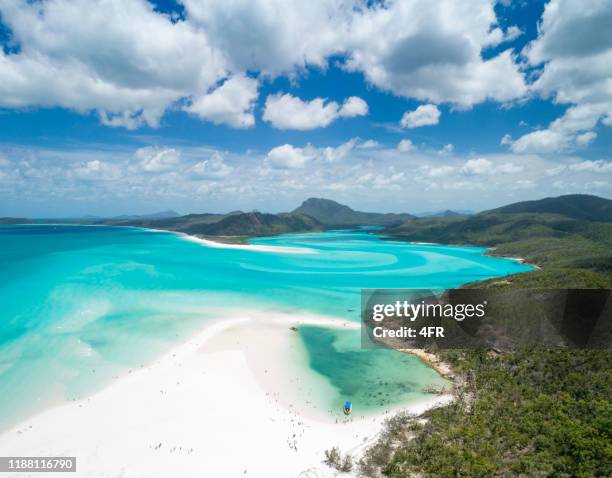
column 348, row 408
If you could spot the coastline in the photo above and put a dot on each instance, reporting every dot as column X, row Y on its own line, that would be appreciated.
column 490, row 250
column 219, row 403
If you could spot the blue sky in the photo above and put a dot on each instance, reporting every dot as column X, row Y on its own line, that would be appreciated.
column 133, row 107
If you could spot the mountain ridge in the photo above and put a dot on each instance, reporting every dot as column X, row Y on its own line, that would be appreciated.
column 332, row 213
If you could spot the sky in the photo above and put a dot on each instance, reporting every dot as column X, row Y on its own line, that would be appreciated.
column 112, row 107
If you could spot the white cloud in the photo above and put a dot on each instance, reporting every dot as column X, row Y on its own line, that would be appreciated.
column 331, row 154
column 509, row 168
column 369, row 144
column 97, row 170
column 512, row 33
column 232, row 103
column 598, row 166
column 584, row 139
column 119, row 58
column 150, row 62
column 274, row 36
column 201, row 179
column 482, row 167
column 424, row 115
column 556, row 170
column 479, row 166
column 213, row 168
column 405, row 145
column 447, row 149
column 156, row 160
column 285, row 111
column 288, row 157
column 440, row 171
column 574, row 52
column 566, row 133
column 431, row 51
column 353, row 106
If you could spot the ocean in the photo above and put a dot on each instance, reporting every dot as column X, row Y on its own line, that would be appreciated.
column 81, row 305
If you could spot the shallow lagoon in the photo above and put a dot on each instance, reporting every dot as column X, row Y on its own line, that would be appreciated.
column 81, row 305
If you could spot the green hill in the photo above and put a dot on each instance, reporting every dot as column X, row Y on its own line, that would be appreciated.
column 180, row 223
column 576, row 206
column 573, row 251
column 534, row 412
column 331, row 213
column 14, row 220
column 255, row 224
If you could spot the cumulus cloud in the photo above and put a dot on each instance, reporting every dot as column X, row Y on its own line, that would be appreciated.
column 232, row 103
column 273, row 36
column 440, row 171
column 119, row 58
column 97, row 170
column 431, row 51
column 353, row 106
column 155, row 160
column 405, row 145
column 477, row 166
column 566, row 133
column 598, row 166
column 213, row 168
column 574, row 52
column 447, row 149
column 369, row 144
column 285, row 111
column 202, row 179
column 151, row 62
column 419, row 49
column 424, row 115
column 288, row 156
column 483, row 167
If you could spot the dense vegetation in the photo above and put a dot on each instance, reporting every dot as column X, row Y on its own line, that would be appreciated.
column 576, row 206
column 236, row 223
column 572, row 252
column 256, row 224
column 334, row 214
column 529, row 413
column 526, row 412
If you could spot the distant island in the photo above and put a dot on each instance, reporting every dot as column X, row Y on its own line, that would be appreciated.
column 569, row 236
column 515, row 412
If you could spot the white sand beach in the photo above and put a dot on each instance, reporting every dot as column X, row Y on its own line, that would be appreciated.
column 232, row 406
column 250, row 247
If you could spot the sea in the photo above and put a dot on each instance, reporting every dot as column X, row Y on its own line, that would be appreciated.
column 82, row 305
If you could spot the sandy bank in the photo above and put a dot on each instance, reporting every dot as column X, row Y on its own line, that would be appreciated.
column 250, row 247
column 223, row 404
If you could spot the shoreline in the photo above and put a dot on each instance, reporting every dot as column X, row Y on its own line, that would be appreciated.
column 433, row 361
column 218, row 402
column 490, row 251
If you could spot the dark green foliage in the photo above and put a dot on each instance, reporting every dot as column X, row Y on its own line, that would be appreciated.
column 333, row 459
column 332, row 213
column 576, row 206
column 14, row 220
column 256, row 224
column 180, row 223
column 524, row 413
column 232, row 224
column 578, row 249
column 529, row 413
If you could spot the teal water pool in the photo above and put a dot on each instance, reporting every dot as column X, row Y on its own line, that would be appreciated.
column 81, row 304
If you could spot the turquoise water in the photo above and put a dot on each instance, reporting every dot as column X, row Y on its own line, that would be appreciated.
column 81, row 304
column 380, row 378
